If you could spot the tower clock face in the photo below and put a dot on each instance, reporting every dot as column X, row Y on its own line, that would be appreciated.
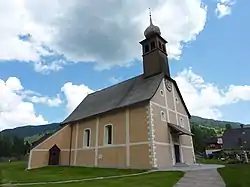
column 168, row 85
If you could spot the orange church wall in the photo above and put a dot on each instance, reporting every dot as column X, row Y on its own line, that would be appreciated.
column 117, row 119
column 58, row 138
column 38, row 159
column 139, row 156
column 40, row 154
column 87, row 124
column 138, row 126
column 114, row 157
column 105, row 156
column 85, row 157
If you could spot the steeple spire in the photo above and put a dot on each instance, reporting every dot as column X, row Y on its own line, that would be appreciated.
column 150, row 17
column 151, row 29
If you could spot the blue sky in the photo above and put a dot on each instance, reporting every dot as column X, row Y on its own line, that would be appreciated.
column 211, row 68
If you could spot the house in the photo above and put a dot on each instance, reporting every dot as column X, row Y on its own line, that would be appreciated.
column 213, row 145
column 236, row 139
column 140, row 123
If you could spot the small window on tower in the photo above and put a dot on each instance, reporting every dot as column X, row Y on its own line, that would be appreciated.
column 163, row 47
column 146, row 48
column 163, row 116
column 152, row 45
column 160, row 45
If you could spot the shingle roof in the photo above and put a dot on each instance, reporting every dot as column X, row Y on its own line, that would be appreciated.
column 233, row 137
column 126, row 93
column 131, row 91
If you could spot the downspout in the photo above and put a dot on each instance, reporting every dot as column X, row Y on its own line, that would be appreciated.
column 71, row 130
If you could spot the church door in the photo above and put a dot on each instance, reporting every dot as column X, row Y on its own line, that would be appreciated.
column 177, row 153
column 54, row 155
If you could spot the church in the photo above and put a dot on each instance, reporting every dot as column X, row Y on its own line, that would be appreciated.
column 141, row 123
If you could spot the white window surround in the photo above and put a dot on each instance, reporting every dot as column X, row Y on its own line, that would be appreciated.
column 105, row 140
column 163, row 116
column 86, row 143
column 161, row 92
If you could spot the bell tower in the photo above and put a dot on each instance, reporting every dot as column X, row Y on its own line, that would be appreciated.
column 154, row 53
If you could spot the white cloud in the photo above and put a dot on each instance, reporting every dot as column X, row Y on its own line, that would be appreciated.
column 52, row 102
column 224, row 8
column 205, row 99
column 115, row 80
column 74, row 94
column 104, row 31
column 14, row 110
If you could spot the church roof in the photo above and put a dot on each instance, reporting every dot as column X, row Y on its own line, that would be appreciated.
column 131, row 91
column 126, row 93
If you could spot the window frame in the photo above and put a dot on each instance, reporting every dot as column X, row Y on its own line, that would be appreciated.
column 105, row 140
column 88, row 142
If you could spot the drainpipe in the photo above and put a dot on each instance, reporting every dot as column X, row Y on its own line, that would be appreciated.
column 71, row 130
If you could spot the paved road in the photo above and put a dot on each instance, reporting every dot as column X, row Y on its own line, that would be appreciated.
column 201, row 178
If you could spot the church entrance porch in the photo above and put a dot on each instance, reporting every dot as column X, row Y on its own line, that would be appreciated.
column 176, row 132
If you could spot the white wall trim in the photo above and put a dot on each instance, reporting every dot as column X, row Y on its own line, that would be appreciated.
column 175, row 108
column 169, row 109
column 187, row 146
column 30, row 157
column 127, row 138
column 109, row 146
column 76, row 143
column 41, row 150
column 104, row 134
column 191, row 140
column 162, row 143
column 151, row 136
column 96, row 140
column 90, row 137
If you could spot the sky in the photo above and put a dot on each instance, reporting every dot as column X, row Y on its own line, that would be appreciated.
column 54, row 53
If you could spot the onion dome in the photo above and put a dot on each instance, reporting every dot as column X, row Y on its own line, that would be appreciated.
column 151, row 29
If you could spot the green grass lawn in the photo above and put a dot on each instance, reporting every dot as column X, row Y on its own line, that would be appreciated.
column 15, row 173
column 211, row 161
column 236, row 175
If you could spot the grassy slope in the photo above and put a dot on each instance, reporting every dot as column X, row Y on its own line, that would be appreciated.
column 15, row 172
column 236, row 175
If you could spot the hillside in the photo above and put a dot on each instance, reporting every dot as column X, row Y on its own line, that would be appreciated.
column 213, row 123
column 33, row 133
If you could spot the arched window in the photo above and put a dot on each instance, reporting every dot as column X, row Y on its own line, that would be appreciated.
column 152, row 45
column 108, row 134
column 163, row 47
column 160, row 45
column 146, row 48
column 86, row 138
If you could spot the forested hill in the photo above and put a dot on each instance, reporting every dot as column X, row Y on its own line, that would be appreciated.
column 32, row 133
column 195, row 120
